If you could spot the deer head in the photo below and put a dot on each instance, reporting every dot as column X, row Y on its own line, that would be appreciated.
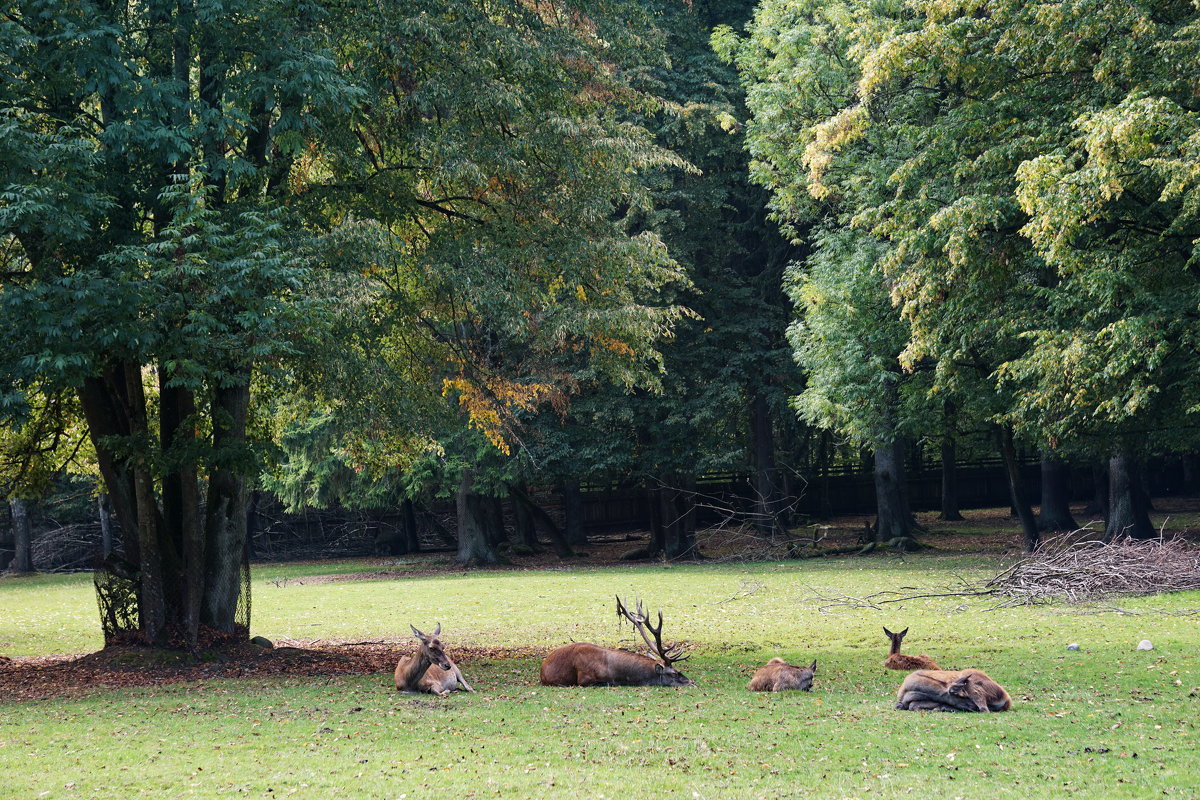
column 431, row 646
column 667, row 656
column 896, row 638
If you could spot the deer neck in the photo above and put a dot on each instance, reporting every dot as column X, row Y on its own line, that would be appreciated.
column 417, row 667
column 895, row 648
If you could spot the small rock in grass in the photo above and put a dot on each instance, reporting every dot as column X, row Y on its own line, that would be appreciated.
column 1073, row 646
column 263, row 642
column 1144, row 644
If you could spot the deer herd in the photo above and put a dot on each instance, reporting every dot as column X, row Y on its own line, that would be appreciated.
column 926, row 688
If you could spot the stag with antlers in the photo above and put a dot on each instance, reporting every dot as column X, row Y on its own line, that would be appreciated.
column 585, row 664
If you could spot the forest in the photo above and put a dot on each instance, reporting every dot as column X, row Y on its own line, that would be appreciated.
column 456, row 254
column 779, row 321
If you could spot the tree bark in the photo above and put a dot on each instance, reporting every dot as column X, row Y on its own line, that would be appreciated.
column 22, row 534
column 1054, row 513
column 1017, row 490
column 412, row 541
column 1128, row 504
column 225, row 523
column 182, row 541
column 766, row 475
column 893, row 516
column 105, row 409
column 824, row 462
column 473, row 545
column 573, row 513
column 658, row 536
column 950, row 510
column 106, row 533
column 152, row 601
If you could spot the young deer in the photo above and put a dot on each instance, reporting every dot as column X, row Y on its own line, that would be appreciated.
column 429, row 669
column 584, row 664
column 779, row 676
column 898, row 660
column 950, row 690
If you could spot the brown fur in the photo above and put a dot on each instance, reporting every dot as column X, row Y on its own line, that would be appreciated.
column 584, row 664
column 778, row 676
column 898, row 660
column 429, row 669
column 951, row 690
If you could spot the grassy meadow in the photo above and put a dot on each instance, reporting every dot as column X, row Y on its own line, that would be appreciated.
column 1106, row 720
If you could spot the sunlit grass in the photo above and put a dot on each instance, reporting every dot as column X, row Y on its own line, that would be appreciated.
column 1079, row 719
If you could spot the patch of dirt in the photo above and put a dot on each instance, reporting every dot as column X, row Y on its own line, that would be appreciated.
column 43, row 677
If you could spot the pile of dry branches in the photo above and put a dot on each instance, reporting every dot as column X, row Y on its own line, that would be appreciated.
column 1075, row 570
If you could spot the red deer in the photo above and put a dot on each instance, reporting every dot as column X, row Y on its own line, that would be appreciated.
column 583, row 664
column 429, row 669
column 898, row 660
column 950, row 690
column 779, row 676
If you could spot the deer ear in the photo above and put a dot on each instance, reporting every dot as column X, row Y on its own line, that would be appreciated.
column 814, row 666
column 889, row 633
column 903, row 632
column 658, row 669
column 438, row 629
column 417, row 632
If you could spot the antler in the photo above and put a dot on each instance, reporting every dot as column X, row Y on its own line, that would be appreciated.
column 669, row 655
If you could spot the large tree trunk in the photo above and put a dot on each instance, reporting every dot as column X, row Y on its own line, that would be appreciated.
column 225, row 522
column 22, row 535
column 950, row 511
column 412, row 542
column 894, row 522
column 766, row 476
column 152, row 601
column 679, row 519
column 1128, row 504
column 1054, row 514
column 105, row 405
column 573, row 512
column 473, row 545
column 182, row 539
column 824, row 481
column 1017, row 491
column 658, row 535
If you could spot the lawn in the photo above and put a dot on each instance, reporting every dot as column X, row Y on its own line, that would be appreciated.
column 1105, row 720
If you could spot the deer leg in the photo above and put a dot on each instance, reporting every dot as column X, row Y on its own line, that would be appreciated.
column 929, row 705
column 916, row 700
column 462, row 681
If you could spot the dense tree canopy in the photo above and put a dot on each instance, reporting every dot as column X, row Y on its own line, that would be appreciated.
column 1026, row 163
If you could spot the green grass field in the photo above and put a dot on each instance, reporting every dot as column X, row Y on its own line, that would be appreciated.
column 1106, row 721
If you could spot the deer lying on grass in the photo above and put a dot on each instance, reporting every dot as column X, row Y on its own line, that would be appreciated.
column 898, row 660
column 583, row 664
column 949, row 690
column 429, row 669
column 779, row 676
